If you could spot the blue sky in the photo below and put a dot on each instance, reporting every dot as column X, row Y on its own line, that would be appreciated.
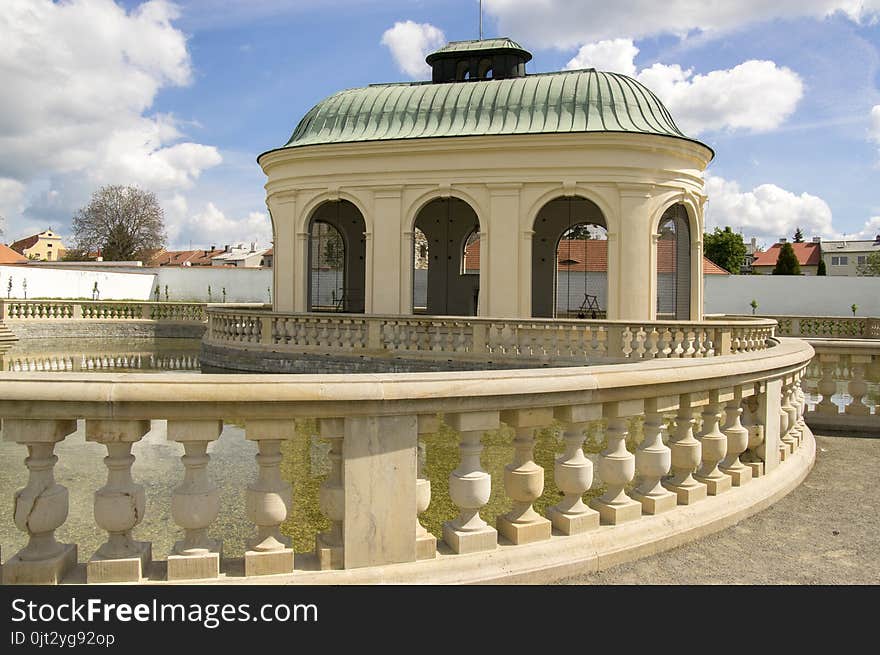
column 182, row 98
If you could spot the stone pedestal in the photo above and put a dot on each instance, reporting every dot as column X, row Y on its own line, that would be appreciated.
column 121, row 569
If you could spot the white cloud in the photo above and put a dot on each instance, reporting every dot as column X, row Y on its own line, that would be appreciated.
column 11, row 200
column 410, row 43
column 616, row 55
column 767, row 211
column 83, row 75
column 755, row 95
column 211, row 226
column 570, row 23
column 874, row 130
column 870, row 230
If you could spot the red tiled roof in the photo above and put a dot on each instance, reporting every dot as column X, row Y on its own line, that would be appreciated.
column 182, row 257
column 808, row 254
column 591, row 256
column 10, row 256
column 23, row 244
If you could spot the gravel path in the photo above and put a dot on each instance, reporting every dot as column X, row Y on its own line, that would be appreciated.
column 825, row 532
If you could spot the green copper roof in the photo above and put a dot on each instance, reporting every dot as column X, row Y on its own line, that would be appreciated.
column 456, row 47
column 563, row 102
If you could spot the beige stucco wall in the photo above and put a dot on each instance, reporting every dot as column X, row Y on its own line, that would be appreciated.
column 506, row 180
column 47, row 248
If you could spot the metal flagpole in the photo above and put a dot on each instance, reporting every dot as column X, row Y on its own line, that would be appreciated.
column 481, row 20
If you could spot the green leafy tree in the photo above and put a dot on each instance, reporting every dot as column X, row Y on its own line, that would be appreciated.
column 120, row 222
column 787, row 263
column 820, row 270
column 798, row 236
column 871, row 267
column 726, row 248
column 334, row 249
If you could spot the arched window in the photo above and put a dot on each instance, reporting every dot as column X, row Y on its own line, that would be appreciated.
column 337, row 259
column 326, row 267
column 484, row 70
column 674, row 265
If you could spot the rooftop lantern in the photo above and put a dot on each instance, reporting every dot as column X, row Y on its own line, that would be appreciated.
column 461, row 61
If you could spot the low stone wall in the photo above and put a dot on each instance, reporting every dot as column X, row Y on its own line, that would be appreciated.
column 84, row 329
column 220, row 359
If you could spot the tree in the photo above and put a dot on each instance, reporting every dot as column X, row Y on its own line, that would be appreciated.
column 787, row 263
column 820, row 269
column 798, row 236
column 121, row 222
column 871, row 267
column 726, row 248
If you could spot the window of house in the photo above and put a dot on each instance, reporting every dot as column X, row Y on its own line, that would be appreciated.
column 840, row 261
column 861, row 260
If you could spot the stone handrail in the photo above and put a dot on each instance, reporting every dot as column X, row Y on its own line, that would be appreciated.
column 751, row 446
column 832, row 327
column 555, row 341
column 47, row 310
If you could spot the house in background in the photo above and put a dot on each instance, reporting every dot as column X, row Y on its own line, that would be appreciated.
column 45, row 246
column 808, row 255
column 845, row 257
column 164, row 257
column 239, row 256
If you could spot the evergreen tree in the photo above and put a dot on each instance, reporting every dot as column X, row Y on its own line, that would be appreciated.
column 821, row 268
column 798, row 236
column 787, row 263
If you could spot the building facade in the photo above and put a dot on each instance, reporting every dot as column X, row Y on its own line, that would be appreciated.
column 518, row 159
column 808, row 255
column 847, row 257
column 45, row 246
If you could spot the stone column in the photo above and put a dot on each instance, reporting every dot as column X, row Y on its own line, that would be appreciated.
column 470, row 486
column 713, row 448
column 119, row 505
column 754, row 455
column 269, row 500
column 653, row 460
column 686, row 456
column 629, row 264
column 737, row 441
column 524, row 479
column 283, row 211
column 503, row 276
column 617, row 466
column 195, row 503
column 331, row 498
column 41, row 507
column 769, row 410
column 573, row 472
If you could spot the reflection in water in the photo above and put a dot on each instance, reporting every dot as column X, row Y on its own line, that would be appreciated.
column 102, row 355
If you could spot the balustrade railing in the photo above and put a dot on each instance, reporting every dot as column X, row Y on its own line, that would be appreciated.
column 828, row 327
column 48, row 310
column 376, row 489
column 500, row 340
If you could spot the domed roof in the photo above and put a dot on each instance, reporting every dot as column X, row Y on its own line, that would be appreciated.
column 481, row 88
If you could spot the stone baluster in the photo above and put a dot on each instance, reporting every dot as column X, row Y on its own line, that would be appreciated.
column 524, row 479
column 686, row 456
column 268, row 500
column 827, row 385
column 617, row 466
column 653, row 459
column 787, row 442
column 329, row 545
column 470, row 486
column 573, row 472
column 794, row 427
column 41, row 506
column 756, row 453
column 426, row 543
column 119, row 505
column 857, row 386
column 195, row 503
column 713, row 448
column 737, row 441
column 801, row 403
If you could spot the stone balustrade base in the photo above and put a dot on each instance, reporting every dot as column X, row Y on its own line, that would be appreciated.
column 739, row 477
column 474, row 541
column 274, row 562
column 426, row 547
column 195, row 567
column 576, row 524
column 656, row 504
column 617, row 513
column 126, row 569
column 524, row 533
column 715, row 486
column 690, row 494
column 47, row 571
column 330, row 556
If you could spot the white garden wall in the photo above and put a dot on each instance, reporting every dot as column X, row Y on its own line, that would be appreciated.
column 791, row 294
column 44, row 282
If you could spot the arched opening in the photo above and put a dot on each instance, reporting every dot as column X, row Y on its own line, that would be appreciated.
column 337, row 258
column 446, row 259
column 570, row 260
column 484, row 70
column 674, row 265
